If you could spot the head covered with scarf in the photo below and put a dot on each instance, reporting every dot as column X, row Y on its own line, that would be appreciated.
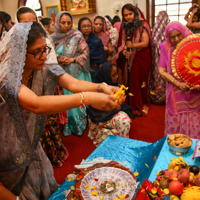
column 13, row 51
column 177, row 101
column 139, row 23
column 104, row 75
column 167, row 46
column 59, row 36
column 73, row 44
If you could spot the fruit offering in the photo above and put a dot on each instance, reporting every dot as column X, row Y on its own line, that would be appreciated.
column 180, row 180
column 179, row 140
column 177, row 164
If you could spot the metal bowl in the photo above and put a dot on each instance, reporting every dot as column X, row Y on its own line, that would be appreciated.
column 177, row 149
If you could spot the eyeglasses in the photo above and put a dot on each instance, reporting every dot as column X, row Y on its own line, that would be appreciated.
column 86, row 26
column 38, row 54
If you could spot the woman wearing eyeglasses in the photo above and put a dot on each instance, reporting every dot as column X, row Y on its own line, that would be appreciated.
column 73, row 55
column 97, row 53
column 50, row 138
column 27, row 86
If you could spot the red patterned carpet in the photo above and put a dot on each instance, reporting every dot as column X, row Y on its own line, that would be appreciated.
column 149, row 129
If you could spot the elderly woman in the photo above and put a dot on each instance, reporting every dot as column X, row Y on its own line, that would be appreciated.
column 73, row 55
column 27, row 86
column 135, row 54
column 182, row 104
column 97, row 53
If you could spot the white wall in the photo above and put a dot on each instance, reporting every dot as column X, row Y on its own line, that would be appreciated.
column 1, row 8
column 103, row 7
column 10, row 7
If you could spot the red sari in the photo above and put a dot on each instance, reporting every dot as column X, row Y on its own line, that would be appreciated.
column 140, row 66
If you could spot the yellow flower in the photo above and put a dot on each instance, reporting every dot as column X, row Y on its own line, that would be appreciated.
column 94, row 193
column 136, row 173
column 122, row 196
column 154, row 191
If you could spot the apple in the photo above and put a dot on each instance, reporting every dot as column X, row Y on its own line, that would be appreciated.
column 183, row 176
column 170, row 175
column 175, row 187
column 197, row 181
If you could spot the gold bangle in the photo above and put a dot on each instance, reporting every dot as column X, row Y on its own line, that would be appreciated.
column 174, row 82
column 82, row 102
column 82, row 99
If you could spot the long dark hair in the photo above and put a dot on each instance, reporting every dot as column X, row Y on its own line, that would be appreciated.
column 36, row 31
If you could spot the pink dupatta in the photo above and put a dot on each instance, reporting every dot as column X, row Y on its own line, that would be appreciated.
column 177, row 101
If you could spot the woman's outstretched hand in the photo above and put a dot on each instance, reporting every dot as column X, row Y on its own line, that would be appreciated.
column 101, row 101
column 107, row 89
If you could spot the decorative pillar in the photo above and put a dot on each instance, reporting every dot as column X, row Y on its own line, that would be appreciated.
column 63, row 5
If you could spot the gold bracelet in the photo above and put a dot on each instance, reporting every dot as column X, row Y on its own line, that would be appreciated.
column 82, row 102
column 174, row 82
column 82, row 99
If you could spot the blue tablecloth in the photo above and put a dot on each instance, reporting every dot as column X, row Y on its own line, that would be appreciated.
column 146, row 158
